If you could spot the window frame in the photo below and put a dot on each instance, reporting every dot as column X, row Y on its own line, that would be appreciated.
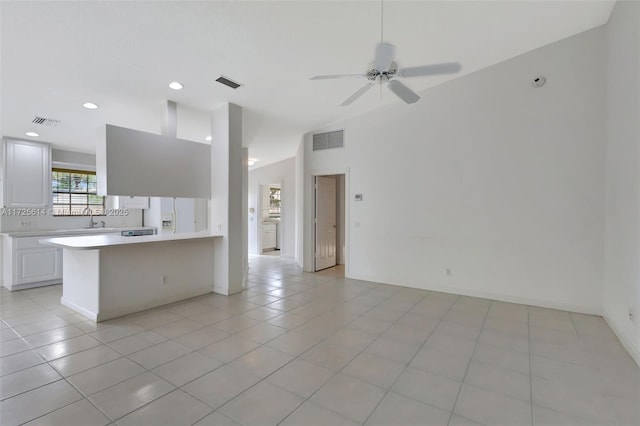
column 72, row 206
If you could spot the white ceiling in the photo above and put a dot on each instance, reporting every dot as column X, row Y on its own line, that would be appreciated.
column 122, row 55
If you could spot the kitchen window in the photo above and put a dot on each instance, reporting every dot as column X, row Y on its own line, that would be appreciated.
column 75, row 193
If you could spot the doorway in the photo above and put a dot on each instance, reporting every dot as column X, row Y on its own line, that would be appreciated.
column 270, row 227
column 330, row 222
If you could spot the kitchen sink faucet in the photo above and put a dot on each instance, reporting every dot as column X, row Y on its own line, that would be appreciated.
column 91, row 222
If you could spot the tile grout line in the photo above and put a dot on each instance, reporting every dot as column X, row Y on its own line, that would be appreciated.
column 475, row 348
column 358, row 354
column 606, row 398
column 48, row 362
column 332, row 284
column 414, row 355
column 310, row 348
column 261, row 345
column 573, row 323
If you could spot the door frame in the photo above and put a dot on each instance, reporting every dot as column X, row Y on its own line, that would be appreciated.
column 336, row 237
column 258, row 214
column 309, row 254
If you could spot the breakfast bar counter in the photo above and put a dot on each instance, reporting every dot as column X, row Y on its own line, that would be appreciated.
column 107, row 276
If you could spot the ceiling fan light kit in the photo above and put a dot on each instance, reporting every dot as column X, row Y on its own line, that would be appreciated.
column 385, row 71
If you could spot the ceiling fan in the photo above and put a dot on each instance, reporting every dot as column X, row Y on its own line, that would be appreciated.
column 383, row 69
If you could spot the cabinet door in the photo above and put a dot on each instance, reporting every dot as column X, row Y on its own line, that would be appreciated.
column 38, row 264
column 272, row 239
column 268, row 239
column 27, row 174
column 129, row 202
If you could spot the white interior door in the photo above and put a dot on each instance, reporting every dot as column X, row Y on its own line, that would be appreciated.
column 325, row 222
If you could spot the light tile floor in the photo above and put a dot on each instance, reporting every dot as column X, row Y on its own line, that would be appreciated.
column 312, row 349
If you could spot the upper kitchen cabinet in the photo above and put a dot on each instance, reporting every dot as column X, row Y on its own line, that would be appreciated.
column 131, row 202
column 27, row 174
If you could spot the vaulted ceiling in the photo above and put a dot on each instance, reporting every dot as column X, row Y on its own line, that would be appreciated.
column 122, row 55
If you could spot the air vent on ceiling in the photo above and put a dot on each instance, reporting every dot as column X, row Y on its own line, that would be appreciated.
column 328, row 140
column 227, row 82
column 45, row 121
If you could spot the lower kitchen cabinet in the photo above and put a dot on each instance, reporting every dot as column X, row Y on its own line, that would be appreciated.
column 268, row 236
column 27, row 263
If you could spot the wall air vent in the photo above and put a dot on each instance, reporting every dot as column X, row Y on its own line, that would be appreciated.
column 227, row 82
column 49, row 122
column 328, row 140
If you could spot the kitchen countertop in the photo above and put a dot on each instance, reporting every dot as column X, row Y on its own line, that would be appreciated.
column 47, row 232
column 90, row 242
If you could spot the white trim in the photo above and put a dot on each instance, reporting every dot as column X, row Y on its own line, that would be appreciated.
column 84, row 312
column 245, row 276
column 634, row 352
column 221, row 290
column 309, row 218
column 542, row 303
column 73, row 166
column 24, row 286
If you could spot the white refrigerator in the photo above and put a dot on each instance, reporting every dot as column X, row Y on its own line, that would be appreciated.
column 177, row 215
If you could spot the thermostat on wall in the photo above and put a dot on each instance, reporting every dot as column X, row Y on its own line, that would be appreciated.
column 358, row 197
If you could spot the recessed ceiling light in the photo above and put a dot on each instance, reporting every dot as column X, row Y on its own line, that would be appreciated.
column 32, row 134
column 175, row 85
column 252, row 161
column 90, row 105
column 208, row 139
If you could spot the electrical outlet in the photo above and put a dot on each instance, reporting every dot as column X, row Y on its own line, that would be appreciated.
column 163, row 280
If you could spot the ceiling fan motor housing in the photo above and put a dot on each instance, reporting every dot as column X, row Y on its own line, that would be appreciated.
column 374, row 73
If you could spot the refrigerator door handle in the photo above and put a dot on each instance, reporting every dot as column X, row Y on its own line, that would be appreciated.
column 174, row 214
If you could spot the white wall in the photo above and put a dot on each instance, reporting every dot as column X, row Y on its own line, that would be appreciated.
column 498, row 182
column 281, row 172
column 622, row 230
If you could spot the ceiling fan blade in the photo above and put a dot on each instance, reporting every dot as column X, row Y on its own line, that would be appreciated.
column 385, row 53
column 435, row 69
column 335, row 76
column 403, row 92
column 356, row 95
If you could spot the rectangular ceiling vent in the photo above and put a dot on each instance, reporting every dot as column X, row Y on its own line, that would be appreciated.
column 329, row 140
column 50, row 122
column 228, row 82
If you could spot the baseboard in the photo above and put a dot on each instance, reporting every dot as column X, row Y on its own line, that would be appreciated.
column 245, row 275
column 626, row 343
column 542, row 303
column 25, row 286
column 221, row 290
column 84, row 312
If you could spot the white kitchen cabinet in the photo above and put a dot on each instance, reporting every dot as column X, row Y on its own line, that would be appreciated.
column 268, row 236
column 129, row 202
column 27, row 263
column 41, row 264
column 27, row 174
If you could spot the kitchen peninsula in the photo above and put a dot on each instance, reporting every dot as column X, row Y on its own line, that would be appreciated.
column 107, row 276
